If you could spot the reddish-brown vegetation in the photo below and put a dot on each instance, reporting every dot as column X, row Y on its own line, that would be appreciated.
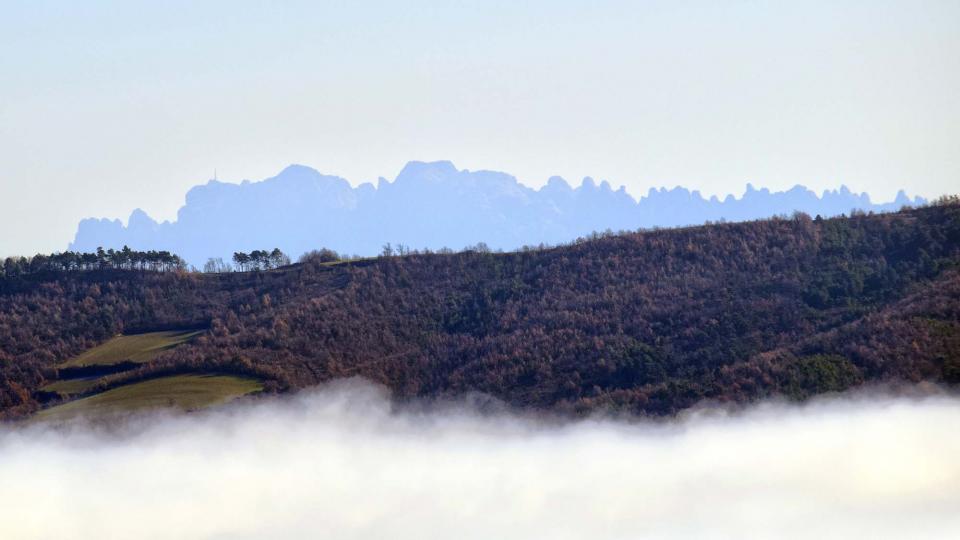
column 648, row 322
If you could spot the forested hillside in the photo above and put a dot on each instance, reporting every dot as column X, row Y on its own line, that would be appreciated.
column 649, row 322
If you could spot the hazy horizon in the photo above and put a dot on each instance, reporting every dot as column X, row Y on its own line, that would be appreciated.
column 124, row 216
column 434, row 206
column 105, row 106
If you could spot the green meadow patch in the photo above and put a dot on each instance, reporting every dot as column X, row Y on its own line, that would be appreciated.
column 138, row 348
column 181, row 392
column 72, row 387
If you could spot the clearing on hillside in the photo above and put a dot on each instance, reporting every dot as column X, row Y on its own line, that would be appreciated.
column 137, row 348
column 185, row 392
column 72, row 387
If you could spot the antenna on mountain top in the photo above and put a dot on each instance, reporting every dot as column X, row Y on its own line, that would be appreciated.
column 214, row 173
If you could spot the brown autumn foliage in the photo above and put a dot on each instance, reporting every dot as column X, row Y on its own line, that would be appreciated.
column 649, row 322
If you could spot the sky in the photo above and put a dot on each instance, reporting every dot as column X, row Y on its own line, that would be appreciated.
column 110, row 106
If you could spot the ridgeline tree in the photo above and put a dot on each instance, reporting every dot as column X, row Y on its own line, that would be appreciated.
column 215, row 265
column 260, row 259
column 322, row 255
column 72, row 261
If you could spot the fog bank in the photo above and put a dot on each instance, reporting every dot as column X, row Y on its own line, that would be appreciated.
column 340, row 463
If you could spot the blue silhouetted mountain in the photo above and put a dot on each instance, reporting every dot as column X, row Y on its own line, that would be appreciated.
column 433, row 205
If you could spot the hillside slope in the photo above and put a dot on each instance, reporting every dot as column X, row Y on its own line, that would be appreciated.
column 647, row 322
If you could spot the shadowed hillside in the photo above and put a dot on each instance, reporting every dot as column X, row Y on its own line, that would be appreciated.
column 648, row 322
column 432, row 205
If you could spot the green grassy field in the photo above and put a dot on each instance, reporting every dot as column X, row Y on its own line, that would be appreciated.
column 184, row 392
column 71, row 387
column 135, row 348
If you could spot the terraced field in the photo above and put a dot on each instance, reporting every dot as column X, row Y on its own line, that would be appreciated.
column 118, row 353
column 121, row 354
column 182, row 392
column 72, row 387
column 136, row 348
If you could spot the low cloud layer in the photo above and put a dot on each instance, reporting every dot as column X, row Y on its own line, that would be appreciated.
column 340, row 463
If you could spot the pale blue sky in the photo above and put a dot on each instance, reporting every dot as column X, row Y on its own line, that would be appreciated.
column 108, row 106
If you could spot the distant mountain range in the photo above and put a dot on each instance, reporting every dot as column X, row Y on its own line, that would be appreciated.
column 433, row 205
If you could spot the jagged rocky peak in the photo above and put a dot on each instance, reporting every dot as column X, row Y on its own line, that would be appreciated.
column 557, row 183
column 297, row 170
column 306, row 178
column 140, row 220
column 427, row 171
column 435, row 205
